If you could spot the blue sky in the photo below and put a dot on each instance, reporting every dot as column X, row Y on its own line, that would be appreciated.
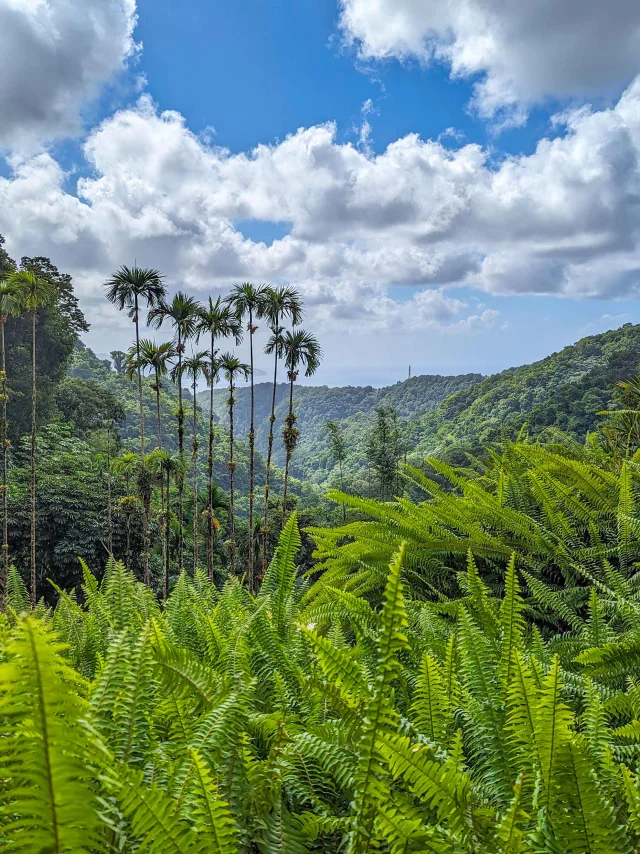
column 456, row 190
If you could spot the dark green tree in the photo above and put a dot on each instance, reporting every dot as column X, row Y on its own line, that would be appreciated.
column 338, row 448
column 232, row 368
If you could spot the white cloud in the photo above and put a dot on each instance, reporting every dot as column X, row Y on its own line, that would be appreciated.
column 564, row 220
column 523, row 51
column 54, row 57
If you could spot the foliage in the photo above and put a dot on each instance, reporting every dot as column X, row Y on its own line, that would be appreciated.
column 309, row 718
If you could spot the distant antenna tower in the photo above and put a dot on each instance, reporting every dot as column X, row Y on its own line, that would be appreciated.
column 409, row 371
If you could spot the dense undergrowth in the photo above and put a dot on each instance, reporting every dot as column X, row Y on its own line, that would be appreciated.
column 365, row 711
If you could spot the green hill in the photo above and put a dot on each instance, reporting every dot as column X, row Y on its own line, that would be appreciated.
column 565, row 390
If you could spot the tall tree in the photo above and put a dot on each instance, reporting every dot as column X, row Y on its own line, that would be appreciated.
column 9, row 304
column 131, row 287
column 169, row 468
column 338, row 448
column 280, row 304
column 182, row 313
column 119, row 361
column 33, row 293
column 218, row 321
column 301, row 350
column 156, row 357
column 195, row 367
column 248, row 301
column 127, row 466
column 232, row 368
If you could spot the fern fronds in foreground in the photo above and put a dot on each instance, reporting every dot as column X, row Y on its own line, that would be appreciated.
column 310, row 719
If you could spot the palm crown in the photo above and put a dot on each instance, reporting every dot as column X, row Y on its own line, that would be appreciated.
column 247, row 298
column 9, row 298
column 129, row 285
column 301, row 349
column 282, row 302
column 219, row 321
column 232, row 367
column 31, row 291
column 154, row 356
column 182, row 312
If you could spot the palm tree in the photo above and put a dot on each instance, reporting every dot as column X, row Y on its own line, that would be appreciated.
column 217, row 321
column 248, row 301
column 127, row 465
column 195, row 366
column 279, row 304
column 9, row 304
column 232, row 368
column 182, row 313
column 301, row 349
column 167, row 467
column 33, row 293
column 156, row 357
column 128, row 288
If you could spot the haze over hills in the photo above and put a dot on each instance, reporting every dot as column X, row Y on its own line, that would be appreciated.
column 566, row 390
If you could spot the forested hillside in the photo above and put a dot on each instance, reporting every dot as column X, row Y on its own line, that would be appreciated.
column 442, row 414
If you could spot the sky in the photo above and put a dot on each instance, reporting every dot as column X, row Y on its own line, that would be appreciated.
column 451, row 186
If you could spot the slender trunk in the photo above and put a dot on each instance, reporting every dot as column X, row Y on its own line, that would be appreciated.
column 210, row 473
column 163, row 514
column 145, row 519
column 128, row 528
column 180, row 451
column 196, row 527
column 33, row 460
column 252, row 440
column 272, row 419
column 4, row 569
column 232, row 466
column 344, row 508
column 165, row 574
column 109, row 496
column 288, row 455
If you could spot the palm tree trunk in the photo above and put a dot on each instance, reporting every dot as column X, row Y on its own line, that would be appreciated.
column 252, row 440
column 33, row 460
column 272, row 419
column 163, row 515
column 344, row 508
column 4, row 569
column 232, row 465
column 210, row 473
column 165, row 570
column 196, row 527
column 288, row 457
column 145, row 520
column 109, row 495
column 180, row 451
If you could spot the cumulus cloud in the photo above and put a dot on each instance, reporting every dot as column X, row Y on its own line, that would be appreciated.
column 564, row 220
column 523, row 51
column 54, row 57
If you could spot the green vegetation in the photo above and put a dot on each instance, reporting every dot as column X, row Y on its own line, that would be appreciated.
column 441, row 656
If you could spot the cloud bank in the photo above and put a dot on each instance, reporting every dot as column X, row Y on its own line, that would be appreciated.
column 563, row 220
column 54, row 57
column 522, row 51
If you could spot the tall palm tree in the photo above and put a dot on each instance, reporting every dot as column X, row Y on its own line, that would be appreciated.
column 217, row 321
column 195, row 367
column 182, row 313
column 280, row 304
column 167, row 467
column 33, row 293
column 127, row 465
column 301, row 350
column 9, row 304
column 157, row 358
column 129, row 287
column 248, row 301
column 232, row 368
